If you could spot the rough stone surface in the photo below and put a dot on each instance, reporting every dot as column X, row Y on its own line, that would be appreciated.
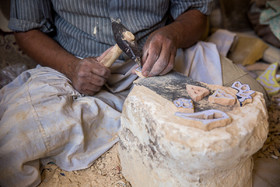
column 158, row 148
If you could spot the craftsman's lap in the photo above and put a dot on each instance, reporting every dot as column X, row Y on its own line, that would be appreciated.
column 53, row 122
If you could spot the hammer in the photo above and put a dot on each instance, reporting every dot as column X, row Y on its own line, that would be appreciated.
column 125, row 43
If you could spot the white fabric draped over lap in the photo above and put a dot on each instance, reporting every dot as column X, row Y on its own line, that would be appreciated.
column 42, row 116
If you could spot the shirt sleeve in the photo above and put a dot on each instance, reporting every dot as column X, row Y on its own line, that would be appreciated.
column 31, row 14
column 180, row 6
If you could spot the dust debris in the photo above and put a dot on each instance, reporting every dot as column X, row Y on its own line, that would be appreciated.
column 105, row 171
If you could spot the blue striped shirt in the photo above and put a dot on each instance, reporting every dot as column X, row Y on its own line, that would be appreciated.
column 83, row 27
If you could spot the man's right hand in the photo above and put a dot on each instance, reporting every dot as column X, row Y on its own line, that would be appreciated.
column 89, row 76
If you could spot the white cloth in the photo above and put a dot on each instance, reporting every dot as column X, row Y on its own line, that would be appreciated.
column 42, row 118
column 223, row 39
column 201, row 62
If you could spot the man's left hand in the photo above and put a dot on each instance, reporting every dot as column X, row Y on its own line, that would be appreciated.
column 159, row 53
column 160, row 48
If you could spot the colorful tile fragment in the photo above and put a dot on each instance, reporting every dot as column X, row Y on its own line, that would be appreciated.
column 184, row 105
column 244, row 94
column 269, row 80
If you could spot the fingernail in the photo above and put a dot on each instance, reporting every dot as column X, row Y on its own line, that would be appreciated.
column 146, row 73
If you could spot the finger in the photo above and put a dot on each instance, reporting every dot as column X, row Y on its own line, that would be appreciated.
column 104, row 54
column 93, row 88
column 87, row 92
column 90, row 87
column 85, row 87
column 96, row 80
column 90, row 90
column 89, row 77
column 145, row 53
column 96, row 68
column 162, row 62
column 170, row 65
column 103, row 72
column 152, row 56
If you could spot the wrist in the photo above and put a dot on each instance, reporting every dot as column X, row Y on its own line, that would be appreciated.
column 187, row 28
column 68, row 68
column 173, row 33
column 167, row 32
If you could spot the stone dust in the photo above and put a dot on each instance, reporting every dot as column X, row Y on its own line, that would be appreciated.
column 105, row 171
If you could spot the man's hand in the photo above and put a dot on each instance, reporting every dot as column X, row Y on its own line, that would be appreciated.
column 89, row 76
column 160, row 48
column 159, row 53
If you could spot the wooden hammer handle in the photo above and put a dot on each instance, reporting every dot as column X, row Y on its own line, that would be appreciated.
column 115, row 52
column 111, row 56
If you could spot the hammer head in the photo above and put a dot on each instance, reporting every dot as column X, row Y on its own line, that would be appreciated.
column 126, row 41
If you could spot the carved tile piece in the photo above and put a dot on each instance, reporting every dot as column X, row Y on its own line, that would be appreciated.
column 222, row 98
column 196, row 92
column 184, row 105
column 207, row 120
column 244, row 94
column 241, row 87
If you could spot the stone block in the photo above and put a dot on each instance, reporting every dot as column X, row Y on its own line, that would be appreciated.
column 158, row 148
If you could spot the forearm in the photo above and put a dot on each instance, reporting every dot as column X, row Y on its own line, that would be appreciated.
column 187, row 28
column 46, row 51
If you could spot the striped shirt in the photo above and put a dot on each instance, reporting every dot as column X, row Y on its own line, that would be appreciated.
column 83, row 27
